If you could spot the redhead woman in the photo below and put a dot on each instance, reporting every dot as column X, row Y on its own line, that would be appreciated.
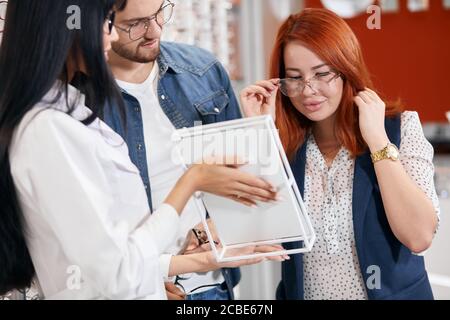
column 363, row 166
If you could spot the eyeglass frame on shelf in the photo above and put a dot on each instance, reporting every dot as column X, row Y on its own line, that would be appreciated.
column 202, row 237
column 3, row 18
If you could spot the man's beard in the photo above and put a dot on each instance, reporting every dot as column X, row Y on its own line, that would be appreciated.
column 135, row 55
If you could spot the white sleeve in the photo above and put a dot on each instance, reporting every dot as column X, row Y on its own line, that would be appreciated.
column 164, row 266
column 163, row 226
column 416, row 156
column 67, row 179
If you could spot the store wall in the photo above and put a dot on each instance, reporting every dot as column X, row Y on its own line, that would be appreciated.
column 409, row 57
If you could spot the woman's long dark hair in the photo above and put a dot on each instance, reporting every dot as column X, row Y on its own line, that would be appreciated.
column 37, row 42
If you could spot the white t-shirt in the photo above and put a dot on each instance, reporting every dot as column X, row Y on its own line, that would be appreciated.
column 164, row 172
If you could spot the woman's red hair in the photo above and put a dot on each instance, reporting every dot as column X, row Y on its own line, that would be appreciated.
column 332, row 40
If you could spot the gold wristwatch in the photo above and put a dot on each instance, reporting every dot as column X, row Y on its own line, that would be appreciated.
column 388, row 152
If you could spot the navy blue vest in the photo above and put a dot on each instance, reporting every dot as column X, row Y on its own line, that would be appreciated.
column 402, row 274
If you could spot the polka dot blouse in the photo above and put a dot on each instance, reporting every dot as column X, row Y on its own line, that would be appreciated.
column 331, row 269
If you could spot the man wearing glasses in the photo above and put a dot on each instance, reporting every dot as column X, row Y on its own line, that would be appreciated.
column 167, row 86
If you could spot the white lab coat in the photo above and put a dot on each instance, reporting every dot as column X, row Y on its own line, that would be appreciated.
column 90, row 232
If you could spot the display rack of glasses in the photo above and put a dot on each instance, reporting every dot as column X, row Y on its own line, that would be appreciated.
column 2, row 17
column 29, row 294
column 208, row 24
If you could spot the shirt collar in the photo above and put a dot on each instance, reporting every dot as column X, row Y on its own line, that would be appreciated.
column 165, row 62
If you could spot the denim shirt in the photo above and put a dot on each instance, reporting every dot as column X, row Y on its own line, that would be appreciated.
column 193, row 88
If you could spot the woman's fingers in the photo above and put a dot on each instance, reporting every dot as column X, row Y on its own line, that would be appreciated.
column 198, row 249
column 373, row 94
column 268, row 248
column 255, row 249
column 256, row 90
column 258, row 186
column 368, row 96
column 275, row 81
column 248, row 199
column 263, row 87
column 242, row 200
column 269, row 85
column 272, row 248
column 260, row 98
column 359, row 101
column 228, row 181
column 256, row 193
column 254, row 181
column 263, row 249
column 278, row 258
column 365, row 97
column 231, row 161
column 246, row 185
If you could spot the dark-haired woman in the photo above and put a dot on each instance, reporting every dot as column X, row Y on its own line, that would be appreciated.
column 73, row 207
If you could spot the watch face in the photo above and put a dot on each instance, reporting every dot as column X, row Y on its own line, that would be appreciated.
column 392, row 152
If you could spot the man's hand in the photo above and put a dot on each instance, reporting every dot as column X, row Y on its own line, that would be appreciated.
column 173, row 292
